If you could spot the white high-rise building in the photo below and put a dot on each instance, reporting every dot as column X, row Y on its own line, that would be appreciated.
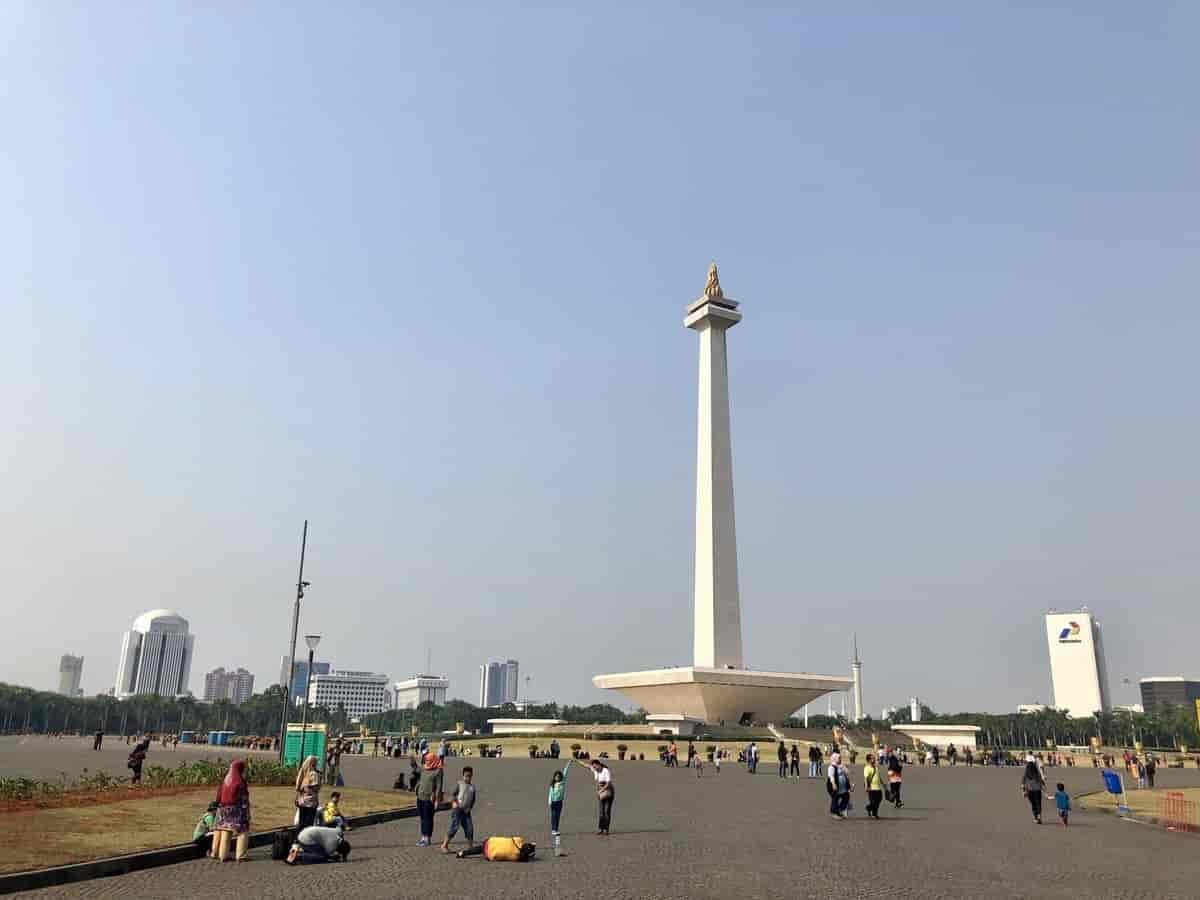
column 70, row 671
column 421, row 689
column 499, row 683
column 1077, row 663
column 156, row 656
column 359, row 693
column 512, row 681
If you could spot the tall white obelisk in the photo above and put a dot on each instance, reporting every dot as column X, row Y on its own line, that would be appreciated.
column 718, row 639
column 717, row 688
column 856, row 668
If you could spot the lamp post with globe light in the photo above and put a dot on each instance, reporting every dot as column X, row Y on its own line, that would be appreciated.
column 312, row 640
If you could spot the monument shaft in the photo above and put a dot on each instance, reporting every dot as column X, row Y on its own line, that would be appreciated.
column 718, row 635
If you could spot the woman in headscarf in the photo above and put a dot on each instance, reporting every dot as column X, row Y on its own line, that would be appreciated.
column 837, row 783
column 308, row 791
column 429, row 794
column 233, row 812
column 1032, row 784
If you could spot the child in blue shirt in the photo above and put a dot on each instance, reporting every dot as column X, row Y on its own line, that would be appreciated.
column 1063, row 801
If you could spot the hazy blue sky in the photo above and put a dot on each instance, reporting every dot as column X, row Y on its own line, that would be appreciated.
column 420, row 279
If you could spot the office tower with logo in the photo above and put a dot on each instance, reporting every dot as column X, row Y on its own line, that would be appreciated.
column 1077, row 668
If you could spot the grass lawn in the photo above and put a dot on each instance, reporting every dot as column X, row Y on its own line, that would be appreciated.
column 1140, row 803
column 51, row 837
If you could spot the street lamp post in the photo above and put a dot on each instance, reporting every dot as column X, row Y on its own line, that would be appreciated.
column 301, row 584
column 312, row 640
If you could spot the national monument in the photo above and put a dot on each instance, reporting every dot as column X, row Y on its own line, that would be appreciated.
column 717, row 687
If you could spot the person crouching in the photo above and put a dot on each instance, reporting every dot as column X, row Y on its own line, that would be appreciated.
column 318, row 844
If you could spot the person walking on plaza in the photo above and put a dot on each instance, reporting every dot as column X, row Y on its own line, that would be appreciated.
column 558, row 793
column 781, row 754
column 752, row 757
column 233, row 813
column 1032, row 784
column 837, row 783
column 873, row 784
column 1062, row 800
column 717, row 754
column 429, row 795
column 333, row 761
column 795, row 756
column 895, row 774
column 1151, row 766
column 605, row 793
column 308, row 792
column 99, row 739
column 462, row 801
column 137, row 759
column 1141, row 773
column 814, row 760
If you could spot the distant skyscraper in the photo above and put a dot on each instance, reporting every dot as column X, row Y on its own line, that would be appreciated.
column 1163, row 690
column 232, row 686
column 70, row 671
column 156, row 655
column 420, row 689
column 1077, row 663
column 498, row 683
column 300, row 676
column 359, row 693
column 512, row 681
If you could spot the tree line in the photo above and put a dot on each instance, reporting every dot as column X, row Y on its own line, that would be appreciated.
column 26, row 710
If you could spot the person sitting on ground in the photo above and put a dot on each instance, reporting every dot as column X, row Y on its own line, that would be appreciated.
column 331, row 816
column 202, row 834
column 317, row 844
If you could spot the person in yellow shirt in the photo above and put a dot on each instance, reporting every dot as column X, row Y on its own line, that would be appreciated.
column 874, row 785
column 331, row 816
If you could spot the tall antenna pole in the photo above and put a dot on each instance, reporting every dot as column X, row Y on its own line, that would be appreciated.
column 287, row 688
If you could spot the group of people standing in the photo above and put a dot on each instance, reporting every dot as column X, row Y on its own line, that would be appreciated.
column 839, row 786
column 431, row 793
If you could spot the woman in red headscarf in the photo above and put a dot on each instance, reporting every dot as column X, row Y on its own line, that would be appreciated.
column 233, row 812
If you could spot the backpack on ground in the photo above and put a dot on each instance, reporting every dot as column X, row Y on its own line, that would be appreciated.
column 282, row 842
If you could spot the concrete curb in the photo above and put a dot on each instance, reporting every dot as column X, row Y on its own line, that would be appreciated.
column 164, row 856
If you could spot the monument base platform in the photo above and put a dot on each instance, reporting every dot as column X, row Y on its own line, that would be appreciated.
column 721, row 696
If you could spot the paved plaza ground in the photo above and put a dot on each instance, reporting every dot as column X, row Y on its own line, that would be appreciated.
column 963, row 833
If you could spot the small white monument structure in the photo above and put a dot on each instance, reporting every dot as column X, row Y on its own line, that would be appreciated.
column 716, row 688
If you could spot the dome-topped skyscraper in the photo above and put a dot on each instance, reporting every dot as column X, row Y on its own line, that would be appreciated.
column 156, row 655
